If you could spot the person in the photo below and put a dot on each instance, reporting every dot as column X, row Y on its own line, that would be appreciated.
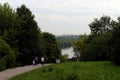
column 33, row 62
column 57, row 60
column 36, row 60
column 42, row 60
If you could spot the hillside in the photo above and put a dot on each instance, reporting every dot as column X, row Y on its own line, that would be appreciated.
column 74, row 71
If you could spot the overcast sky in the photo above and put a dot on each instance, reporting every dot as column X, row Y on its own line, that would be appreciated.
column 68, row 16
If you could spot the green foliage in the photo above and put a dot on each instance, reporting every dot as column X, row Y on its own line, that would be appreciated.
column 7, row 16
column 50, row 47
column 23, row 38
column 29, row 37
column 66, row 41
column 7, row 55
column 21, row 32
column 74, row 71
column 115, row 43
column 9, row 30
column 9, row 26
column 96, row 45
column 102, row 43
column 100, row 26
column 107, row 41
column 64, row 57
column 99, row 48
column 80, row 47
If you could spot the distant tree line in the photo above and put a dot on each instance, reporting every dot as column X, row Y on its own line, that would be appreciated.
column 21, row 40
column 66, row 41
column 103, row 43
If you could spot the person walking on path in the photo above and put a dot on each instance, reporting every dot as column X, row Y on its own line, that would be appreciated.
column 42, row 60
column 33, row 62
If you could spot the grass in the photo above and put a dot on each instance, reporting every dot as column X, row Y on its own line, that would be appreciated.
column 74, row 71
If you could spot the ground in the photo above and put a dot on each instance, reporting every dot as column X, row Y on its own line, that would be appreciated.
column 7, row 74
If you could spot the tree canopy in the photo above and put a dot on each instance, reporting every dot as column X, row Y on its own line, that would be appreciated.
column 7, row 55
column 29, row 35
column 102, row 43
column 21, row 40
column 51, row 49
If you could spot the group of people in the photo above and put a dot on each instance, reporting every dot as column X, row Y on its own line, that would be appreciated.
column 42, row 60
column 36, row 60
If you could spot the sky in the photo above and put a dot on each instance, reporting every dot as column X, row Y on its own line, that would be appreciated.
column 68, row 16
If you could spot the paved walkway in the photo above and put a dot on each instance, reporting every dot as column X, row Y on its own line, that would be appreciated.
column 7, row 74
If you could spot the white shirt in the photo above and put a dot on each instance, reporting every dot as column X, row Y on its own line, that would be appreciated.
column 42, row 59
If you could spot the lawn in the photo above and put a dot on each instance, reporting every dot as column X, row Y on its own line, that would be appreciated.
column 74, row 71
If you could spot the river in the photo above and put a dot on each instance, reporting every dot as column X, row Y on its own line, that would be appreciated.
column 68, row 51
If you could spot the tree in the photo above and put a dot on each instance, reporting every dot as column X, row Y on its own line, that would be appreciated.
column 99, row 38
column 7, row 55
column 64, row 57
column 96, row 45
column 115, row 42
column 100, row 26
column 29, row 38
column 80, row 47
column 51, row 49
column 9, row 26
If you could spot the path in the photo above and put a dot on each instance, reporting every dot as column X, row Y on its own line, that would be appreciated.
column 7, row 74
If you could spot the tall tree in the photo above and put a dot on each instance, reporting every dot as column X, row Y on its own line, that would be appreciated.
column 100, row 35
column 9, row 25
column 51, row 49
column 29, row 38
column 100, row 26
column 96, row 45
column 115, row 42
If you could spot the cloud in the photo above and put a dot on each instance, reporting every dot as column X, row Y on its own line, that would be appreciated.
column 68, row 16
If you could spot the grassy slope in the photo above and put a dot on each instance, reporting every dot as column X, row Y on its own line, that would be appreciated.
column 74, row 71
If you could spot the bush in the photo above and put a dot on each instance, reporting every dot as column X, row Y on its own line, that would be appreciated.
column 2, row 64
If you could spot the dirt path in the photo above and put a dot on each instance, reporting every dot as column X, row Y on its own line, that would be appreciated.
column 7, row 74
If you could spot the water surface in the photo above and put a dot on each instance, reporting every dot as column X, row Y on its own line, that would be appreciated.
column 68, row 51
